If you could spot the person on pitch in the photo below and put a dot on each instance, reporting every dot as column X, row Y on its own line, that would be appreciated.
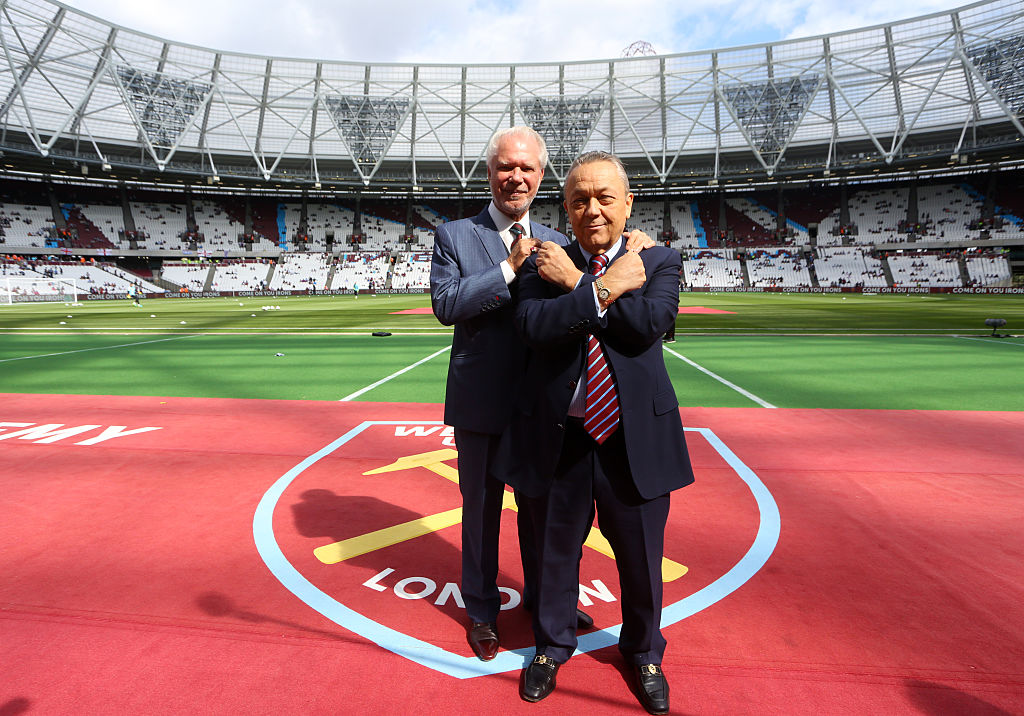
column 474, row 284
column 597, row 426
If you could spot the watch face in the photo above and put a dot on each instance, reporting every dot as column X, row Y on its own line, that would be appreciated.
column 603, row 294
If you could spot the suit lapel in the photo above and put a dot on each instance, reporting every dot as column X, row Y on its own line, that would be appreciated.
column 576, row 254
column 490, row 239
column 622, row 250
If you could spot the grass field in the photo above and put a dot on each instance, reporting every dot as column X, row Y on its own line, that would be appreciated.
column 781, row 350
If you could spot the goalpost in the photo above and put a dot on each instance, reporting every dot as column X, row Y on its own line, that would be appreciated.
column 36, row 289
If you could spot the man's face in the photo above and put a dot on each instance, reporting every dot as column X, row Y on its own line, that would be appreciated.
column 515, row 174
column 598, row 205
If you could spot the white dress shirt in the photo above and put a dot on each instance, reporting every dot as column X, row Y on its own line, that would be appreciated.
column 502, row 223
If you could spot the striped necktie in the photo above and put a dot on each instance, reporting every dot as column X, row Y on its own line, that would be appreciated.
column 517, row 232
column 602, row 414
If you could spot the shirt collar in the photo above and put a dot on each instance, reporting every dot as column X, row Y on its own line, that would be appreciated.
column 503, row 223
column 611, row 252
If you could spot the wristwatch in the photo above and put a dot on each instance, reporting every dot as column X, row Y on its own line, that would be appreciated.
column 602, row 292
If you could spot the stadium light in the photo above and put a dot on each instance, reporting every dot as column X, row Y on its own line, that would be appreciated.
column 106, row 167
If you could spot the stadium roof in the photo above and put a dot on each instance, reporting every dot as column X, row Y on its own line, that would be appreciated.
column 928, row 92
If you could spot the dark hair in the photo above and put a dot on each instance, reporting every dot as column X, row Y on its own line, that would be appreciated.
column 599, row 156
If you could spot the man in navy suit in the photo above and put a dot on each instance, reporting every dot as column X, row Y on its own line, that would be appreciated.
column 597, row 427
column 473, row 286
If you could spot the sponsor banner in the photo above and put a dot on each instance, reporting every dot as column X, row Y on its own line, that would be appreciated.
column 996, row 290
column 239, row 294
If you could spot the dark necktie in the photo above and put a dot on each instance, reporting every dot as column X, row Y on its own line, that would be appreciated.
column 601, row 417
column 517, row 232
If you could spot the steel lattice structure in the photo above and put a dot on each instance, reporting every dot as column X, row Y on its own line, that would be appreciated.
column 78, row 90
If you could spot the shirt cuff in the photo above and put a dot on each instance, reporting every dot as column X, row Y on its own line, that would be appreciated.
column 597, row 304
column 508, row 273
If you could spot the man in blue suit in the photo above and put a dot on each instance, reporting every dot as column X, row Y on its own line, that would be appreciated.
column 474, row 286
column 600, row 423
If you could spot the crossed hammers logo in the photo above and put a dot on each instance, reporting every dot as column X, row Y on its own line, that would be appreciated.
column 435, row 462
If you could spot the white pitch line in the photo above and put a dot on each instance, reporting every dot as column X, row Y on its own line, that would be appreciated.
column 723, row 381
column 98, row 348
column 991, row 340
column 394, row 375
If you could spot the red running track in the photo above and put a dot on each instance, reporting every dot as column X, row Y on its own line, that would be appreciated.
column 132, row 582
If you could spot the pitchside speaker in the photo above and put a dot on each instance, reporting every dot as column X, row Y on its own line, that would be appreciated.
column 996, row 323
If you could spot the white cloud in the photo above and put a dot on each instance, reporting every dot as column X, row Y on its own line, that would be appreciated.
column 475, row 31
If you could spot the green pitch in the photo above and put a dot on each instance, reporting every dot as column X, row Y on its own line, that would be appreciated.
column 782, row 350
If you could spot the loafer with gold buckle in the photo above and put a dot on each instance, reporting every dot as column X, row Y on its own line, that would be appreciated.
column 653, row 688
column 538, row 678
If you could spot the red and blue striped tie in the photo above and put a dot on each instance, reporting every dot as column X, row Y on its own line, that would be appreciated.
column 602, row 414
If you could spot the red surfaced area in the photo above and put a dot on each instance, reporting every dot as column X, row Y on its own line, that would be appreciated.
column 416, row 311
column 702, row 309
column 896, row 585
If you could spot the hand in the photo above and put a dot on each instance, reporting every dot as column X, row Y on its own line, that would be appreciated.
column 521, row 249
column 637, row 241
column 626, row 274
column 555, row 266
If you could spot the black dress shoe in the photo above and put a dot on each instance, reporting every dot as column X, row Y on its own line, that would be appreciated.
column 653, row 688
column 483, row 637
column 538, row 678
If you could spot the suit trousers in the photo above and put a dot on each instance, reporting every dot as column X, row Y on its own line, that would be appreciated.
column 482, row 497
column 592, row 476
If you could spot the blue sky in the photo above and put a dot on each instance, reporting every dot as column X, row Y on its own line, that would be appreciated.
column 473, row 31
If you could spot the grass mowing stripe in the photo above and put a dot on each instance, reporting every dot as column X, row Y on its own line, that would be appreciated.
column 98, row 348
column 723, row 381
column 394, row 375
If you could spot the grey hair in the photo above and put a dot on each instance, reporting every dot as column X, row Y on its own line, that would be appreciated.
column 599, row 156
column 521, row 131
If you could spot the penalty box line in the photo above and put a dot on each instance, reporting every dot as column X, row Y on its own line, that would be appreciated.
column 723, row 381
column 406, row 369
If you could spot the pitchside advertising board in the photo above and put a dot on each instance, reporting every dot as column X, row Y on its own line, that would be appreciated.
column 366, row 531
column 997, row 290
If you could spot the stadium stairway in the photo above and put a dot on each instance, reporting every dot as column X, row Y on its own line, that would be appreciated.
column 965, row 276
column 813, row 274
column 746, row 274
column 888, row 272
column 330, row 274
column 164, row 283
column 208, row 283
column 270, row 274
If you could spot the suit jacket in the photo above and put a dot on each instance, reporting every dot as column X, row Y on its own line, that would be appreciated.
column 555, row 325
column 468, row 290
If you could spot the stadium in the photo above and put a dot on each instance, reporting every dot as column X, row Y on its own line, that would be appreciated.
column 223, row 384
